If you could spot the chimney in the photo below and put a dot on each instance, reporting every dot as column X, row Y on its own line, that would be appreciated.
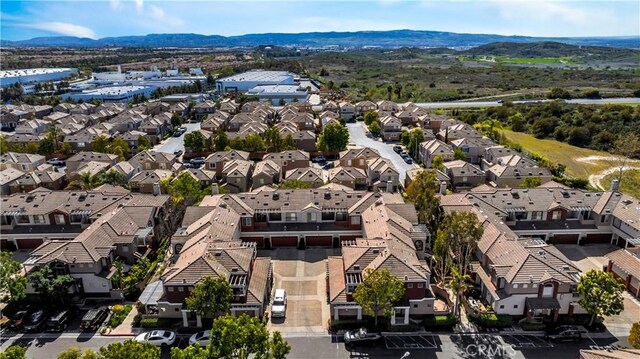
column 443, row 187
column 214, row 189
column 156, row 189
column 389, row 186
column 615, row 185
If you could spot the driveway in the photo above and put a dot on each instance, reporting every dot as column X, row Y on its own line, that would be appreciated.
column 172, row 144
column 358, row 136
column 302, row 273
column 591, row 257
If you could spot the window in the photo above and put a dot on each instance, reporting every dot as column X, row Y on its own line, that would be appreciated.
column 536, row 215
column 409, row 285
column 275, row 217
column 22, row 219
column 212, row 165
column 420, row 285
column 81, row 144
column 246, row 221
column 604, row 218
column 355, row 220
column 547, row 291
column 556, row 215
column 261, row 217
column 525, row 286
column 125, row 249
column 328, row 216
column 311, row 217
column 341, row 216
column 501, row 306
column 180, row 289
column 25, row 167
column 170, row 289
column 59, row 219
column 80, row 265
column 38, row 219
column 292, row 217
column 515, row 306
column 515, row 285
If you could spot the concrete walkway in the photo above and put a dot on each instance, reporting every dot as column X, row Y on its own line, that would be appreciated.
column 126, row 328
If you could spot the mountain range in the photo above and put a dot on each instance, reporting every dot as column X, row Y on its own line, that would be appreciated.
column 389, row 39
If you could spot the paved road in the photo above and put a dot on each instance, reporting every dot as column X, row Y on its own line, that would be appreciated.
column 47, row 346
column 173, row 144
column 604, row 101
column 358, row 136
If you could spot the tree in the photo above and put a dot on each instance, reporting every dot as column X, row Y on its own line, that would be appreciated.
column 458, row 284
column 220, row 141
column 14, row 352
column 144, row 143
column 195, row 141
column 176, row 120
column 210, row 296
column 184, row 189
column 254, row 143
column 422, row 193
column 273, row 140
column 334, row 138
column 458, row 154
column 490, row 128
column 461, row 231
column 531, row 182
column 76, row 353
column 66, row 148
column 634, row 335
column 600, row 294
column 4, row 145
column 517, row 122
column 240, row 337
column 416, row 136
column 129, row 349
column 374, row 129
column 369, row 117
column 294, row 184
column 378, row 292
column 438, row 162
column 558, row 93
column 50, row 286
column 46, row 146
column 626, row 146
column 579, row 136
column 55, row 134
column 13, row 283
column 114, row 178
column 100, row 144
column 289, row 143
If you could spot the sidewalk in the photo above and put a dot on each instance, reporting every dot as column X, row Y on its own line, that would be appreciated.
column 126, row 328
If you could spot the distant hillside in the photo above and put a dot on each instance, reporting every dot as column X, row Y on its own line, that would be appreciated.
column 548, row 49
column 388, row 39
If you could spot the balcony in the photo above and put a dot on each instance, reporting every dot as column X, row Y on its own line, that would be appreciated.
column 301, row 227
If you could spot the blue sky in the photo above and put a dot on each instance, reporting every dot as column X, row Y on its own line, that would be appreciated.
column 97, row 19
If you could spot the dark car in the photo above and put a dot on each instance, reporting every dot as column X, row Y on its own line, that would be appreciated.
column 361, row 336
column 94, row 318
column 408, row 160
column 565, row 333
column 35, row 321
column 177, row 133
column 18, row 319
column 318, row 159
column 60, row 320
column 177, row 152
column 397, row 149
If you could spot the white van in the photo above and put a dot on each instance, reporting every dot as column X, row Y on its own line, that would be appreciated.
column 279, row 305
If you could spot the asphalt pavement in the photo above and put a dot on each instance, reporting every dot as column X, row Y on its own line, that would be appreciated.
column 358, row 136
column 173, row 144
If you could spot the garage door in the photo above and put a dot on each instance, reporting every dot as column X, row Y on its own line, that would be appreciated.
column 598, row 238
column 323, row 241
column 259, row 241
column 29, row 243
column 564, row 239
column 284, row 241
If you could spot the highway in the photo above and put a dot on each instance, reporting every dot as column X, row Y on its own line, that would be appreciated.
column 603, row 101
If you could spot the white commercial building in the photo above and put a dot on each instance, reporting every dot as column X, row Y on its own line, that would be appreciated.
column 27, row 76
column 111, row 93
column 276, row 93
column 247, row 80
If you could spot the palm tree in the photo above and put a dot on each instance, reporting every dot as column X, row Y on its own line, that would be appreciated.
column 55, row 133
column 458, row 283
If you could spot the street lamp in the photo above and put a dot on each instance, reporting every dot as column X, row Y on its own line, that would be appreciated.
column 406, row 354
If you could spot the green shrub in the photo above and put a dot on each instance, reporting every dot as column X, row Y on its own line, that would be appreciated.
column 494, row 320
column 119, row 314
column 533, row 326
column 347, row 324
column 439, row 321
column 136, row 321
column 156, row 322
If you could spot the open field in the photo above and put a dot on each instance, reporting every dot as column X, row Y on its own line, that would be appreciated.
column 523, row 60
column 630, row 182
column 563, row 153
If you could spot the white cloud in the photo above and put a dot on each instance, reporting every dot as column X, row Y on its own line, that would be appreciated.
column 115, row 4
column 139, row 5
column 64, row 28
column 158, row 14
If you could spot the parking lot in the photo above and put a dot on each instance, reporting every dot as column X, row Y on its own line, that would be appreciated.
column 526, row 341
column 410, row 341
column 302, row 274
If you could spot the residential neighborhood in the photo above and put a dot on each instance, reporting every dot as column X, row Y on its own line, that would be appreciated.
column 299, row 212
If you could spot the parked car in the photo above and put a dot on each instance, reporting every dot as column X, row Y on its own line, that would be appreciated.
column 318, row 159
column 17, row 320
column 279, row 306
column 56, row 162
column 157, row 337
column 197, row 161
column 35, row 321
column 177, row 133
column 94, row 318
column 177, row 152
column 397, row 149
column 59, row 321
column 408, row 160
column 183, row 129
column 361, row 336
column 201, row 338
column 565, row 333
